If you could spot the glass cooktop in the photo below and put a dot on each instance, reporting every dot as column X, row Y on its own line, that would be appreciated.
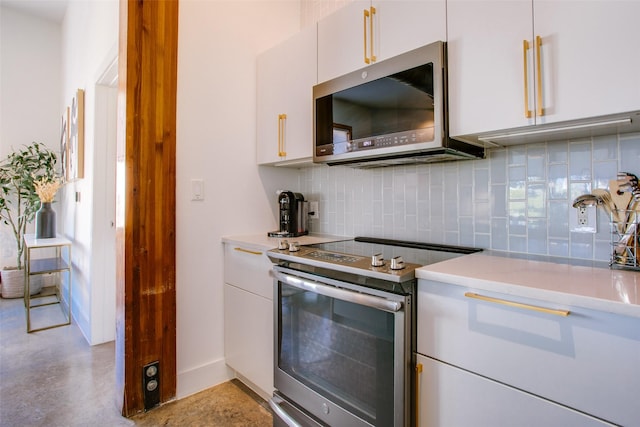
column 411, row 252
column 396, row 260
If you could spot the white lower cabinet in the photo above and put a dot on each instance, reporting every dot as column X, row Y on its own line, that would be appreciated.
column 248, row 338
column 451, row 397
column 248, row 316
column 583, row 359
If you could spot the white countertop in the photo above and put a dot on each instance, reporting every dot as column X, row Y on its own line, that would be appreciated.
column 264, row 242
column 604, row 289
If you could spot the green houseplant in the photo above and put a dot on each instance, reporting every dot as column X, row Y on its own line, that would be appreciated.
column 19, row 201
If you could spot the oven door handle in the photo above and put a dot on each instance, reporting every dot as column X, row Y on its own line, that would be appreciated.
column 274, row 403
column 372, row 301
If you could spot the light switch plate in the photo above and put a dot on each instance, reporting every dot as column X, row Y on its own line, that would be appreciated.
column 197, row 189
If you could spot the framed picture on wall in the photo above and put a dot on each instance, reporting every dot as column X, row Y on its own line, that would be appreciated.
column 75, row 151
column 64, row 144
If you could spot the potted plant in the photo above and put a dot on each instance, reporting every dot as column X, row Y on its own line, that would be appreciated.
column 19, row 202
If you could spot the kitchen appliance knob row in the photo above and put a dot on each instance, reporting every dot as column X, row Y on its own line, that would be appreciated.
column 283, row 245
column 397, row 263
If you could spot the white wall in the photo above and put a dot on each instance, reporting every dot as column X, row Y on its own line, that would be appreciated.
column 30, row 75
column 217, row 47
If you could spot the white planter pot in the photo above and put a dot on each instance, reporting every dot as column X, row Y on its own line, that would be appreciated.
column 13, row 283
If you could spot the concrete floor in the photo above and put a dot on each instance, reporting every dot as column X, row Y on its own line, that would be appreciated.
column 54, row 378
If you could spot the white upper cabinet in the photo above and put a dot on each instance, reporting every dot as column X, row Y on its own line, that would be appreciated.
column 365, row 32
column 486, row 64
column 590, row 57
column 285, row 78
column 524, row 62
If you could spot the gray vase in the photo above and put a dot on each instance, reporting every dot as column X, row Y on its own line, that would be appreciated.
column 45, row 221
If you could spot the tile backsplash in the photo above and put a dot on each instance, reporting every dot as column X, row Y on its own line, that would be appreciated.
column 518, row 199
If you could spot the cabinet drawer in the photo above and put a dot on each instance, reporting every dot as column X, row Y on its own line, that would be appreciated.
column 588, row 360
column 452, row 397
column 248, row 268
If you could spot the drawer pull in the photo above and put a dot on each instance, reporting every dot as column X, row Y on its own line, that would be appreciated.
column 563, row 313
column 247, row 251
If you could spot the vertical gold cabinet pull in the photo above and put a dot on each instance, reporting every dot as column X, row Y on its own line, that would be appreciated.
column 282, row 118
column 418, row 375
column 525, row 48
column 540, row 110
column 372, row 55
column 364, row 36
column 368, row 15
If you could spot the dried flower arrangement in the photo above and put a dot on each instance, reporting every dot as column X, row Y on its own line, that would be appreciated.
column 46, row 188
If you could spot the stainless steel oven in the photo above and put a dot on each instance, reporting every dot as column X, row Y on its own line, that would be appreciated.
column 345, row 333
column 342, row 349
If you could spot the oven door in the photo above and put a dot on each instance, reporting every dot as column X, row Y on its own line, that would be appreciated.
column 341, row 350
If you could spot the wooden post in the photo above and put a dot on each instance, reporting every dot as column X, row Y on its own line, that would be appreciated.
column 145, row 228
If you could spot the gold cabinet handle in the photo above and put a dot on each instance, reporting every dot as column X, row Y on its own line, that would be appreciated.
column 527, row 112
column 540, row 110
column 373, row 12
column 247, row 251
column 281, row 134
column 364, row 36
column 418, row 374
column 563, row 313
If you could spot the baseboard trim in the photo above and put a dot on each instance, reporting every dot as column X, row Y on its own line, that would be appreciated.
column 200, row 378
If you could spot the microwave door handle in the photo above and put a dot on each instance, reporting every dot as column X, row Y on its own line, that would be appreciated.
column 341, row 294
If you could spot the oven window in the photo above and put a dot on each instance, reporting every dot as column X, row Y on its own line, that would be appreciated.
column 342, row 350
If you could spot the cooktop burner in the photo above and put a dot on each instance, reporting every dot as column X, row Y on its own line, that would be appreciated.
column 384, row 259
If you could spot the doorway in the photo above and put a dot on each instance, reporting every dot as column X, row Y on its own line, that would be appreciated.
column 103, row 276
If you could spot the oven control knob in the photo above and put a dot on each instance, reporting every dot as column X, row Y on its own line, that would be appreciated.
column 283, row 244
column 377, row 260
column 397, row 263
column 294, row 247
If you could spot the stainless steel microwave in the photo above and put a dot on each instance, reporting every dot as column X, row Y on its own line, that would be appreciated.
column 391, row 112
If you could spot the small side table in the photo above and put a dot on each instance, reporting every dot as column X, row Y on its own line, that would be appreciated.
column 60, row 263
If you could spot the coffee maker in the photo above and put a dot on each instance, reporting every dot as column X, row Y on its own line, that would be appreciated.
column 293, row 215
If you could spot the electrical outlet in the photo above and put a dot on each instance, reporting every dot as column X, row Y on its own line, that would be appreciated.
column 313, row 210
column 583, row 217
column 151, row 385
column 583, row 220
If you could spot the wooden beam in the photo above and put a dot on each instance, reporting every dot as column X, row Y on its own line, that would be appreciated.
column 146, row 294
